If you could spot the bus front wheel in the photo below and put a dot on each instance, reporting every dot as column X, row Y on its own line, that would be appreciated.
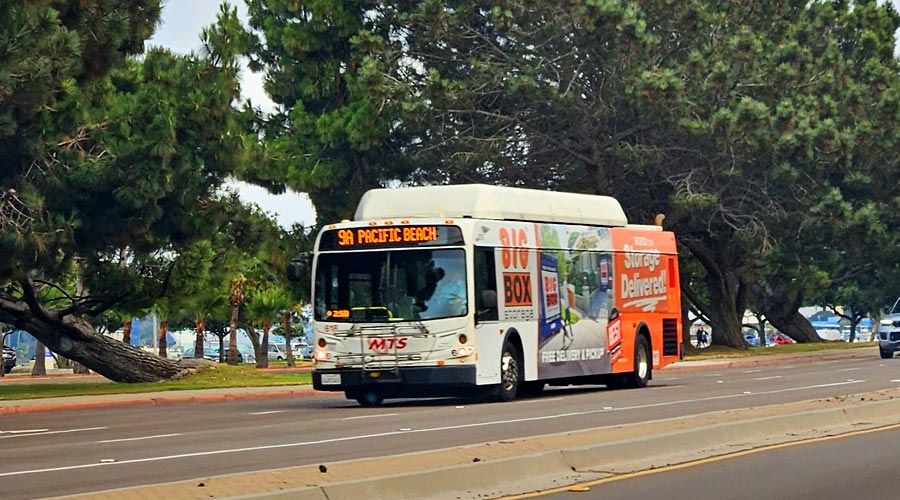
column 509, row 373
column 368, row 399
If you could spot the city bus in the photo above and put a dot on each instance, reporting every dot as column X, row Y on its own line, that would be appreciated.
column 468, row 290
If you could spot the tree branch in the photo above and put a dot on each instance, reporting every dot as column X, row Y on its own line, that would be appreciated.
column 695, row 302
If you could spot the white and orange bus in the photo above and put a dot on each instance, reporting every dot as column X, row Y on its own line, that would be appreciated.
column 475, row 289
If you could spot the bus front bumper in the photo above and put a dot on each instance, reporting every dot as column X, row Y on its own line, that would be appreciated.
column 432, row 381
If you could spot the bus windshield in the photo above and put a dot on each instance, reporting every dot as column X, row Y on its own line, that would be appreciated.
column 396, row 285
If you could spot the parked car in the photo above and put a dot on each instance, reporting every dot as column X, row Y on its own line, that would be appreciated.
column 277, row 352
column 9, row 359
column 302, row 349
column 779, row 338
column 889, row 332
column 211, row 353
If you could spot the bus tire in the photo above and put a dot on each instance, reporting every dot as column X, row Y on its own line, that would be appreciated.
column 510, row 373
column 643, row 365
column 370, row 399
column 886, row 354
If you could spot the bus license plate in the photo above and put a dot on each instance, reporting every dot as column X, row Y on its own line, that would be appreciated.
column 331, row 379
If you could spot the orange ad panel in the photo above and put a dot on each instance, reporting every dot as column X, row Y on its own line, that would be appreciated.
column 645, row 270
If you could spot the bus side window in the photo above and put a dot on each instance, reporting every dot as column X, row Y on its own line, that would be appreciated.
column 485, row 285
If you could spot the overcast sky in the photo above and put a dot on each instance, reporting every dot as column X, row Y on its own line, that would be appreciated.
column 182, row 21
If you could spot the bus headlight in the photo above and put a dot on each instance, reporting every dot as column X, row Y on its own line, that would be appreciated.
column 461, row 352
column 321, row 355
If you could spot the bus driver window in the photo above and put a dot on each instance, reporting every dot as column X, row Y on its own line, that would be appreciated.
column 485, row 285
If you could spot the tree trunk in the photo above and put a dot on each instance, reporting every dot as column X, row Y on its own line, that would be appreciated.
column 75, row 338
column 221, row 348
column 263, row 361
column 163, row 345
column 725, row 319
column 236, row 299
column 794, row 325
column 126, row 331
column 232, row 337
column 40, row 360
column 727, row 294
column 198, row 342
column 854, row 322
column 287, row 339
column 257, row 344
column 783, row 312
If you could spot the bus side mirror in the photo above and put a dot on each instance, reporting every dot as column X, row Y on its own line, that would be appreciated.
column 299, row 268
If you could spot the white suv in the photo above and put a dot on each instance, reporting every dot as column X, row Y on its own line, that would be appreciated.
column 889, row 332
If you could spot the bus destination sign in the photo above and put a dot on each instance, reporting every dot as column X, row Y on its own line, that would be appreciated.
column 390, row 236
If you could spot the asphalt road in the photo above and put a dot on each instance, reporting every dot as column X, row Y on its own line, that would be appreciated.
column 69, row 452
column 858, row 466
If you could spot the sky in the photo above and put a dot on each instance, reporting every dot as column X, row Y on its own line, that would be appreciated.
column 182, row 21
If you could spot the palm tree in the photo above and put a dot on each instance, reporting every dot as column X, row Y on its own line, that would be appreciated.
column 263, row 306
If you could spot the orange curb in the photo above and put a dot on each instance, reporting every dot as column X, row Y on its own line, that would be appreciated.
column 206, row 398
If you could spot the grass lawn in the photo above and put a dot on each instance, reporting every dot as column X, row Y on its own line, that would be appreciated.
column 220, row 376
column 718, row 352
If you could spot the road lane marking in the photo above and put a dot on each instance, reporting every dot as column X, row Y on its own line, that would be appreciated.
column 267, row 412
column 850, row 369
column 418, row 431
column 55, row 432
column 371, row 416
column 752, row 371
column 540, row 400
column 896, row 380
column 24, row 431
column 138, row 438
column 768, row 378
column 694, row 463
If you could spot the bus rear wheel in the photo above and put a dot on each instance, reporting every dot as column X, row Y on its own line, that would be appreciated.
column 640, row 377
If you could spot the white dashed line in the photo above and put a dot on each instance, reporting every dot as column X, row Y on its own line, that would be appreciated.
column 540, row 400
column 372, row 416
column 267, row 412
column 137, row 438
column 54, row 432
column 768, row 378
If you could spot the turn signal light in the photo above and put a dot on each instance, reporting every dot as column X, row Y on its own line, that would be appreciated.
column 322, row 343
column 463, row 339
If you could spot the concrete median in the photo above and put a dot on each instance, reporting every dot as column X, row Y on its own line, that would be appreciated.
column 566, row 466
column 540, row 462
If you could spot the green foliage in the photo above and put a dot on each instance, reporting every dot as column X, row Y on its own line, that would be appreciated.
column 266, row 303
column 337, row 129
column 115, row 161
column 765, row 131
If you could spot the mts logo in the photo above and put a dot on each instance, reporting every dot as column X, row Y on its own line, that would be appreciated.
column 517, row 289
column 385, row 344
